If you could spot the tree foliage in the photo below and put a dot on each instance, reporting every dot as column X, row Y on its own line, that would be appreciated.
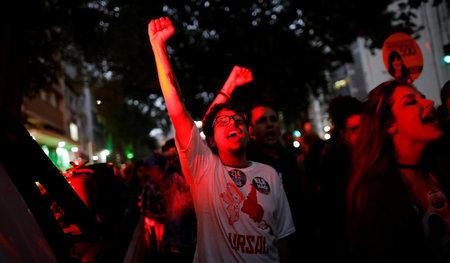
column 288, row 44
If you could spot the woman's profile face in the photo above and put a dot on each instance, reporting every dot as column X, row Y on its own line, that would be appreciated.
column 415, row 119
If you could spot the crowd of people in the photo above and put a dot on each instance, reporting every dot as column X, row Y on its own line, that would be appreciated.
column 376, row 191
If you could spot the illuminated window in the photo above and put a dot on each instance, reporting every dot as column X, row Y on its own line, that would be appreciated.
column 340, row 84
column 73, row 131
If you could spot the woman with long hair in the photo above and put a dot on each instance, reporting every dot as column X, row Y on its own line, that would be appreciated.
column 397, row 208
column 397, row 67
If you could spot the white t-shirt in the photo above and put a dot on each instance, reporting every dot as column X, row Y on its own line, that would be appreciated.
column 241, row 212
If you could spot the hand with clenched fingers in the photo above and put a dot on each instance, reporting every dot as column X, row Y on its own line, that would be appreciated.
column 159, row 30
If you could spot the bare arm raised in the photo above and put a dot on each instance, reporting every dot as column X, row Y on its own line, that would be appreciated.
column 159, row 30
column 238, row 77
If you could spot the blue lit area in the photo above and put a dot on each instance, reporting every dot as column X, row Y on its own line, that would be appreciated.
column 447, row 59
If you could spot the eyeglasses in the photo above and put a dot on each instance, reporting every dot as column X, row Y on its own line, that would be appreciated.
column 224, row 120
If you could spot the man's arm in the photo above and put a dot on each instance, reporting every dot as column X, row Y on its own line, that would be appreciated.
column 238, row 77
column 159, row 30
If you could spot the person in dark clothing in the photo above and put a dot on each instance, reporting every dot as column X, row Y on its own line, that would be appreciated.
column 345, row 114
column 444, row 109
column 265, row 147
column 132, row 195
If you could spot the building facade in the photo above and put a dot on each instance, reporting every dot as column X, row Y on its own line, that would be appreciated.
column 368, row 69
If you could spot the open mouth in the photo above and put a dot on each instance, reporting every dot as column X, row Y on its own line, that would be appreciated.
column 232, row 134
column 430, row 119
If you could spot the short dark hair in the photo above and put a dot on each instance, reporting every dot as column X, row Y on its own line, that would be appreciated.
column 170, row 143
column 257, row 104
column 341, row 108
column 208, row 120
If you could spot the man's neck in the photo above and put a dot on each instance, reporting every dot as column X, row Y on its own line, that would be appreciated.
column 234, row 159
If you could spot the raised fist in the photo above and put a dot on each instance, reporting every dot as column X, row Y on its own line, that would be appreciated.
column 159, row 30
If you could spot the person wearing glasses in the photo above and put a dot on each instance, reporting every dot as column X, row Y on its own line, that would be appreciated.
column 242, row 210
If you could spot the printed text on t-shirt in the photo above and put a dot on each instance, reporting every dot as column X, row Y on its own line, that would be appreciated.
column 248, row 244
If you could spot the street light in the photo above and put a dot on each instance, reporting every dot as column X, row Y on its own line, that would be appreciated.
column 446, row 57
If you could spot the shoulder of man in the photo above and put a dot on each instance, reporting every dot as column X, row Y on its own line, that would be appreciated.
column 268, row 168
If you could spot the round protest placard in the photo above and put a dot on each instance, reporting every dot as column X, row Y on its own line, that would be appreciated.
column 402, row 57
